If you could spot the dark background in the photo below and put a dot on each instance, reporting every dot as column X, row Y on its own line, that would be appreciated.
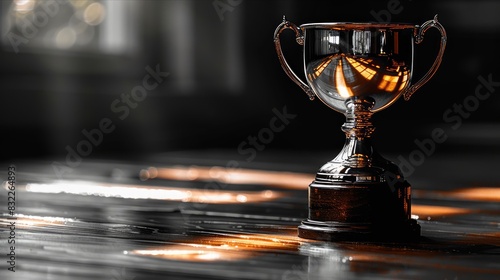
column 225, row 78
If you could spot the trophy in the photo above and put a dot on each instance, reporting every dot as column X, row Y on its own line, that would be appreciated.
column 358, row 69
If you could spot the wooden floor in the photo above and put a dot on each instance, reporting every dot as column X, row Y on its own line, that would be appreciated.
column 175, row 220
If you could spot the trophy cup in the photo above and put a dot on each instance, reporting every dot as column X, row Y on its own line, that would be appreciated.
column 358, row 69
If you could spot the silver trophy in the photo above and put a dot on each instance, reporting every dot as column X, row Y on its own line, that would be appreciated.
column 358, row 69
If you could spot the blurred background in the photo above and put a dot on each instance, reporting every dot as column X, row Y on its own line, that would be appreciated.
column 67, row 66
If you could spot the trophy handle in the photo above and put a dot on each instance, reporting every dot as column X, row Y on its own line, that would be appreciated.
column 419, row 37
column 300, row 40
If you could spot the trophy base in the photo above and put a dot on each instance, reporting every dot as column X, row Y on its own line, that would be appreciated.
column 360, row 212
column 331, row 231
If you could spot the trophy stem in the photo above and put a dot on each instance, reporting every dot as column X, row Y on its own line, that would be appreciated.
column 359, row 195
column 358, row 117
column 358, row 128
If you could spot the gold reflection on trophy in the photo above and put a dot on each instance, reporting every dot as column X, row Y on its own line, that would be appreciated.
column 342, row 87
column 346, row 72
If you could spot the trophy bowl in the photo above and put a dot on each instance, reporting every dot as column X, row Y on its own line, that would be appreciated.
column 358, row 69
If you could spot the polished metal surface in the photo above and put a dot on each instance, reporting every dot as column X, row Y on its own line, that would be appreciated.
column 345, row 60
column 342, row 64
column 358, row 69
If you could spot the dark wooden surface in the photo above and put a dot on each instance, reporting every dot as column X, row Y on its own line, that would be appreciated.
column 109, row 220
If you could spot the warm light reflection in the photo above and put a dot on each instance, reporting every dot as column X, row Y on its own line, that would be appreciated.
column 368, row 73
column 288, row 180
column 388, row 82
column 194, row 254
column 495, row 235
column 254, row 241
column 404, row 81
column 481, row 194
column 365, row 71
column 210, row 196
column 342, row 87
column 224, row 248
column 487, row 194
column 398, row 79
column 433, row 211
column 491, row 238
column 321, row 67
column 35, row 221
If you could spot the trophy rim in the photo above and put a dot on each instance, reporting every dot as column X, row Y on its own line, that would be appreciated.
column 354, row 25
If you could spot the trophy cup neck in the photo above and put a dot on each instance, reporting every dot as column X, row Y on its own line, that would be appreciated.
column 358, row 123
column 358, row 128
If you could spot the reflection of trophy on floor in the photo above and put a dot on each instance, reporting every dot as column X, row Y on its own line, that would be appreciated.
column 358, row 69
